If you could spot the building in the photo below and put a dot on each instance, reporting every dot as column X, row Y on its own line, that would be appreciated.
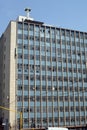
column 43, row 75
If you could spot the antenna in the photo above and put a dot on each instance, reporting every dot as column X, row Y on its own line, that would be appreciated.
column 27, row 10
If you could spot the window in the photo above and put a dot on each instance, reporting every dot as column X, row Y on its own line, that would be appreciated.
column 63, row 32
column 20, row 36
column 67, row 33
column 31, row 28
column 20, row 26
column 77, row 34
column 25, row 26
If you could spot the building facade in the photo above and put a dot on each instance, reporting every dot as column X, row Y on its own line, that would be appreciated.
column 43, row 75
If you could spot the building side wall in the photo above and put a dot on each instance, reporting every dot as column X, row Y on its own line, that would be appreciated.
column 1, row 71
column 12, row 73
column 8, row 73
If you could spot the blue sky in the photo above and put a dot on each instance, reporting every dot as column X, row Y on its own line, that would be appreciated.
column 70, row 14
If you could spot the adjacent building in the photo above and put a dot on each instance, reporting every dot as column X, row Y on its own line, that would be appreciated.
column 43, row 75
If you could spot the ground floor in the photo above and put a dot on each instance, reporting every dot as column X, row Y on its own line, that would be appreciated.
column 69, row 127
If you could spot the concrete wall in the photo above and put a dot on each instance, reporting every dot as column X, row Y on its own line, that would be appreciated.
column 9, row 76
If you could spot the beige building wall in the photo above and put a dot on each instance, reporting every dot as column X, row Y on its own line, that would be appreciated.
column 9, row 81
column 12, row 72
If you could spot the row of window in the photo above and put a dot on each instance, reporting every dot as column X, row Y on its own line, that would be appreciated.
column 41, row 45
column 52, row 38
column 64, row 89
column 52, row 30
column 48, row 58
column 57, row 51
column 50, row 78
column 53, row 41
column 55, row 109
column 65, row 62
column 37, row 46
column 50, row 68
column 55, row 119
column 73, row 71
column 53, row 49
column 51, row 98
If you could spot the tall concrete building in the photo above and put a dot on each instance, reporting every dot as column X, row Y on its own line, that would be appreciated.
column 43, row 75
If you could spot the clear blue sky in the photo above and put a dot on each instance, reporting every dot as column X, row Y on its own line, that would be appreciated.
column 70, row 14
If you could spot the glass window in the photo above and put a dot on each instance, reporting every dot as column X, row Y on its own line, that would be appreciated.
column 25, row 26
column 19, row 31
column 68, row 33
column 77, row 34
column 31, row 28
column 36, row 28
column 63, row 32
column 20, row 25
